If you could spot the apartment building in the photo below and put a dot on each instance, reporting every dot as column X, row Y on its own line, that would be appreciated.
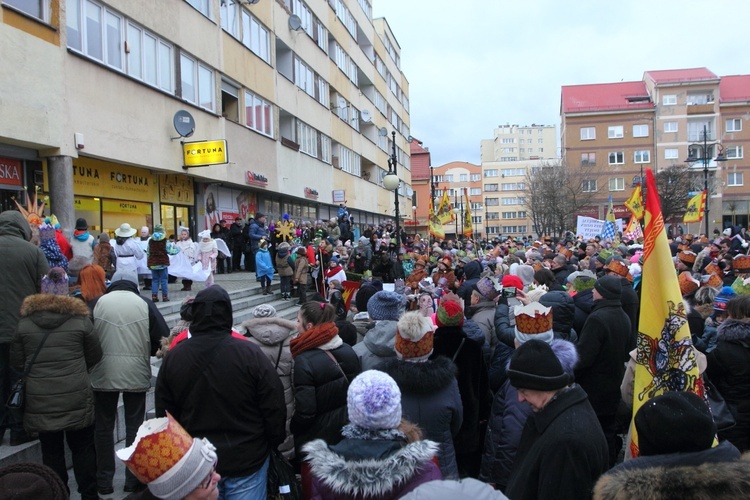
column 421, row 172
column 185, row 112
column 612, row 131
column 507, row 158
column 453, row 178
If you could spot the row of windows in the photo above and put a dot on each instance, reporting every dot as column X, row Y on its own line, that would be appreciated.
column 509, row 186
column 644, row 156
column 514, row 215
column 462, row 178
column 693, row 98
column 695, row 129
column 613, row 132
column 618, row 183
column 243, row 26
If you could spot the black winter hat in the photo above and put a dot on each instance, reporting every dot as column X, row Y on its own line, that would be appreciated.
column 609, row 287
column 81, row 224
column 674, row 422
column 364, row 294
column 535, row 366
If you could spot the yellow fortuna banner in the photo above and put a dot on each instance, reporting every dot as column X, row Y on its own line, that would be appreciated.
column 665, row 360
column 696, row 207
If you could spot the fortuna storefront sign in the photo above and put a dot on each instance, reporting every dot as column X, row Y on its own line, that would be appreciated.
column 203, row 153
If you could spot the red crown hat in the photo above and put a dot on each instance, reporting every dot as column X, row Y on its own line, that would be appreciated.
column 712, row 269
column 741, row 264
column 618, row 267
column 687, row 257
column 533, row 318
column 713, row 280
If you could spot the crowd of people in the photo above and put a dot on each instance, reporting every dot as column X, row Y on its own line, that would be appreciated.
column 500, row 368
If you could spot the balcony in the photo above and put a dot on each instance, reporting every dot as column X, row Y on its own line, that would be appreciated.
column 700, row 109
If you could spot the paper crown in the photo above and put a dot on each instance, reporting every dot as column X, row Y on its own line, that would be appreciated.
column 533, row 318
column 687, row 256
column 46, row 232
column 158, row 446
column 567, row 252
column 618, row 267
column 688, row 284
column 713, row 280
column 741, row 264
column 712, row 269
column 537, row 266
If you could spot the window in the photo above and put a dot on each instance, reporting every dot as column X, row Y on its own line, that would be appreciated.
column 701, row 98
column 95, row 32
column 490, row 187
column 642, row 156
column 380, row 102
column 734, row 125
column 734, row 179
column 307, row 138
column 588, row 159
column 35, row 8
column 513, row 186
column 512, row 201
column 588, row 185
column 475, row 191
column 492, row 202
column 255, row 37
column 540, row 141
column 615, row 132
column 258, row 114
column 509, row 172
column 522, row 213
column 509, row 215
column 304, row 76
column 588, row 133
column 463, row 178
column 669, row 100
column 448, row 178
column 492, row 229
column 670, row 127
column 349, row 161
column 197, row 82
column 230, row 101
column 490, row 173
column 640, row 130
column 476, row 177
column 616, row 184
column 696, row 128
column 202, row 6
column 149, row 58
column 734, row 152
column 671, row 154
column 510, row 140
column 616, row 158
column 492, row 215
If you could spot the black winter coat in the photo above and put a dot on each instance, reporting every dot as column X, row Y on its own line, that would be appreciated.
column 631, row 305
column 562, row 452
column 603, row 351
column 563, row 314
column 232, row 395
column 584, row 302
column 472, row 271
column 320, row 394
column 472, row 382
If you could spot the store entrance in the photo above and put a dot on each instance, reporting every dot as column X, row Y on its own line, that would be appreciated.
column 173, row 217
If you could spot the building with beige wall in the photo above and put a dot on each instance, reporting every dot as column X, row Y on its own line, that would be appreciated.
column 453, row 178
column 305, row 94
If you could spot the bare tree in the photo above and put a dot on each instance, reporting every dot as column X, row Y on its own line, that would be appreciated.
column 674, row 184
column 554, row 196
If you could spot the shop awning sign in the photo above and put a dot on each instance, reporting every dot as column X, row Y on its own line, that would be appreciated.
column 204, row 153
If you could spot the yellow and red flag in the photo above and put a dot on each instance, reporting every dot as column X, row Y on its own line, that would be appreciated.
column 633, row 230
column 445, row 209
column 696, row 207
column 436, row 227
column 349, row 288
column 665, row 359
column 468, row 229
column 635, row 202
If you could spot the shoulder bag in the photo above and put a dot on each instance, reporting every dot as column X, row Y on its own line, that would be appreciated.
column 17, row 398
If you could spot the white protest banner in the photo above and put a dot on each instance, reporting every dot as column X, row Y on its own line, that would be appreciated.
column 588, row 227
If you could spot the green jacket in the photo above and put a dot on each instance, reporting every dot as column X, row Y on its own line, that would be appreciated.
column 58, row 390
column 21, row 269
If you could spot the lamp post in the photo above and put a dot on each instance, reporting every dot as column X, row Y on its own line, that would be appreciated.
column 391, row 182
column 705, row 158
column 414, row 212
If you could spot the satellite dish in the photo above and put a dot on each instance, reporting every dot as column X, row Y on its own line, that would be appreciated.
column 295, row 23
column 184, row 123
column 365, row 116
column 383, row 132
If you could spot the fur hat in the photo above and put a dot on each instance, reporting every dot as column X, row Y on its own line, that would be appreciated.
column 103, row 238
column 264, row 311
column 414, row 335
column 374, row 401
column 449, row 313
column 534, row 366
column 609, row 287
column 31, row 480
column 385, row 305
column 76, row 264
column 56, row 282
column 674, row 422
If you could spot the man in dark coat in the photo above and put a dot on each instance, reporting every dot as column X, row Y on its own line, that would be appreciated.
column 559, row 267
column 472, row 272
column 629, row 299
column 562, row 450
column 226, row 390
column 236, row 242
column 603, row 351
column 22, row 266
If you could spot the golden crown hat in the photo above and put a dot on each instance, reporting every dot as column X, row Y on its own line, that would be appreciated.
column 713, row 280
column 688, row 284
column 533, row 318
column 712, row 269
column 536, row 266
column 687, row 256
column 158, row 446
column 741, row 264
column 618, row 267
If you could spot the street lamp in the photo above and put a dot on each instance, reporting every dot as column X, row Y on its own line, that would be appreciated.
column 705, row 158
column 391, row 182
column 414, row 211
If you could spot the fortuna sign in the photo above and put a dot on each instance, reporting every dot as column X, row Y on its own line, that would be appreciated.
column 199, row 154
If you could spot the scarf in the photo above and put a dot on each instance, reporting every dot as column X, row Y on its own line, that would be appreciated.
column 206, row 246
column 333, row 271
column 312, row 338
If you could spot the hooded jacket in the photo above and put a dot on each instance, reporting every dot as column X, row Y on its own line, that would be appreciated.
column 584, row 302
column 472, row 272
column 430, row 399
column 130, row 329
column 272, row 335
column 223, row 388
column 22, row 267
column 58, row 390
column 563, row 314
column 378, row 344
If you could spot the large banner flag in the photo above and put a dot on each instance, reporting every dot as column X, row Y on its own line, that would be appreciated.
column 696, row 207
column 350, row 289
column 608, row 229
column 635, row 202
column 633, row 230
column 445, row 209
column 468, row 229
column 665, row 360
column 436, row 227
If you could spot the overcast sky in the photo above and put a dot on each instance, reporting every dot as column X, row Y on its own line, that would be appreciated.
column 475, row 64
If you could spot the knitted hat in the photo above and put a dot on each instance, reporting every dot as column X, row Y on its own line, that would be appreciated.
column 30, row 480
column 414, row 337
column 534, row 366
column 81, row 224
column 56, row 282
column 76, row 264
column 724, row 296
column 282, row 250
column 103, row 238
column 125, row 275
column 486, row 288
column 513, row 281
column 449, row 313
column 264, row 311
column 159, row 228
column 364, row 293
column 385, row 305
column 167, row 459
column 609, row 287
column 374, row 401
column 534, row 321
column 674, row 422
column 334, row 260
column 688, row 284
